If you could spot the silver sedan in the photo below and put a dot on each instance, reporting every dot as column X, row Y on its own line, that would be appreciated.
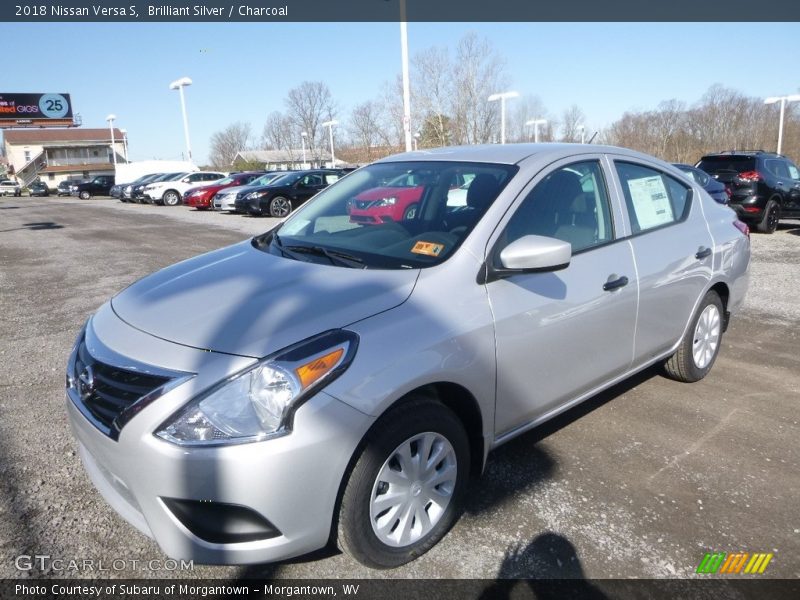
column 335, row 377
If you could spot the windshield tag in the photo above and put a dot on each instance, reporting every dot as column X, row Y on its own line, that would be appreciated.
column 427, row 248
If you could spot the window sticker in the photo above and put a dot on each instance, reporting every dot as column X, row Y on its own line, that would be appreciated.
column 650, row 201
column 427, row 248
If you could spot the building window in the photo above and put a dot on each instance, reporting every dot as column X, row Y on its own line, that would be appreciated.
column 51, row 176
column 27, row 156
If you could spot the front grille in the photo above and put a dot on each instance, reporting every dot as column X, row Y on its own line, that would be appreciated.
column 105, row 392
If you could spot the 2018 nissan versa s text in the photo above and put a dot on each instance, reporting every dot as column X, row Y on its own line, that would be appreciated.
column 341, row 380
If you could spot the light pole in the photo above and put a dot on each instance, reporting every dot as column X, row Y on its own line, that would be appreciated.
column 416, row 140
column 329, row 125
column 536, row 123
column 179, row 84
column 406, row 85
column 783, row 100
column 503, row 97
column 124, row 133
column 303, row 135
column 582, row 129
column 110, row 118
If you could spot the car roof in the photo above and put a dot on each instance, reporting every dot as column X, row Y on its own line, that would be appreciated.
column 511, row 154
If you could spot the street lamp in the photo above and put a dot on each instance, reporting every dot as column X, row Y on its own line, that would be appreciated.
column 582, row 129
column 406, row 85
column 110, row 118
column 536, row 123
column 783, row 100
column 303, row 135
column 179, row 84
column 329, row 125
column 503, row 97
column 416, row 139
column 124, row 133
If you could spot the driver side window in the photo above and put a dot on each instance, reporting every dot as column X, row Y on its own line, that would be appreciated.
column 569, row 204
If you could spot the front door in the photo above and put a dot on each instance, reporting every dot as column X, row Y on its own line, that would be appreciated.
column 563, row 333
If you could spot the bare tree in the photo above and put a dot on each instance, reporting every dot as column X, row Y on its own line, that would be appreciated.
column 432, row 94
column 365, row 126
column 279, row 133
column 520, row 112
column 227, row 143
column 479, row 72
column 308, row 106
column 573, row 117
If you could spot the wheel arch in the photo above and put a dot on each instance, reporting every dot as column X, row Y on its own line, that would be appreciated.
column 452, row 395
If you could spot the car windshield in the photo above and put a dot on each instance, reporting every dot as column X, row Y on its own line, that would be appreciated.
column 225, row 181
column 266, row 179
column 172, row 177
column 358, row 223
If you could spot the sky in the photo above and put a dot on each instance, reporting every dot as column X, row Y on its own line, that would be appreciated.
column 243, row 71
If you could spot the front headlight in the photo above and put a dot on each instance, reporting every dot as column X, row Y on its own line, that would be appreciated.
column 386, row 202
column 259, row 402
column 254, row 195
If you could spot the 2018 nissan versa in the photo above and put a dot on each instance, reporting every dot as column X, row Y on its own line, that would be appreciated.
column 341, row 381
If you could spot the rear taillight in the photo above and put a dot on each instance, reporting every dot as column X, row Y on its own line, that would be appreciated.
column 742, row 227
column 750, row 176
column 729, row 192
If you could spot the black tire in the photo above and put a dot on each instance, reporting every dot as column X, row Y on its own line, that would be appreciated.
column 410, row 212
column 171, row 198
column 280, row 207
column 85, row 195
column 769, row 221
column 355, row 532
column 683, row 366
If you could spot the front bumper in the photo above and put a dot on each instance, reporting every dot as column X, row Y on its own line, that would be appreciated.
column 291, row 481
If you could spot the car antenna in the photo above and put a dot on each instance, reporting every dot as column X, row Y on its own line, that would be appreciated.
column 594, row 135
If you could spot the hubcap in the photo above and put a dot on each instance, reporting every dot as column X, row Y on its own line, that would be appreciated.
column 280, row 207
column 413, row 489
column 706, row 336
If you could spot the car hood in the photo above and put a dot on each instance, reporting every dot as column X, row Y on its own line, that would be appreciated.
column 386, row 192
column 241, row 300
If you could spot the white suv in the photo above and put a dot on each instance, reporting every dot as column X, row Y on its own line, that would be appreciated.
column 170, row 193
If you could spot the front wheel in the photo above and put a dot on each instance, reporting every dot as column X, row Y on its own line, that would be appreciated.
column 405, row 490
column 769, row 222
column 279, row 207
column 171, row 198
column 700, row 345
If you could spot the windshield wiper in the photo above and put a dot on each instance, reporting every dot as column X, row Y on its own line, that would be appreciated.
column 336, row 257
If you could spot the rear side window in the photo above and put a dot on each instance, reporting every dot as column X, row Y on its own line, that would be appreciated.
column 654, row 199
column 718, row 164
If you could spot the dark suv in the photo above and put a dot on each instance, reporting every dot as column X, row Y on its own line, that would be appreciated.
column 765, row 186
column 99, row 186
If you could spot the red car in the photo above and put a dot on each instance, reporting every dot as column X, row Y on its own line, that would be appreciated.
column 201, row 197
column 396, row 201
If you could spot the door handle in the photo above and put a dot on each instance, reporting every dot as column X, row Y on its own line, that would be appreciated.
column 613, row 284
column 702, row 253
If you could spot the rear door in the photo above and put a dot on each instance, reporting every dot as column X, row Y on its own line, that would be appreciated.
column 673, row 250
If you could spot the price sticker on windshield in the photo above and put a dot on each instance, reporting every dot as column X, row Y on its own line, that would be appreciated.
column 427, row 248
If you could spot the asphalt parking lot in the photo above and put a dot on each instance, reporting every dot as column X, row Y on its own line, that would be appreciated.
column 641, row 481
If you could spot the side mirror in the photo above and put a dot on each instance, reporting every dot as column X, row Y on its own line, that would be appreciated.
column 530, row 254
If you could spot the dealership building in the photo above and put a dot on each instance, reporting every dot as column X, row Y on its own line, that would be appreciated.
column 53, row 155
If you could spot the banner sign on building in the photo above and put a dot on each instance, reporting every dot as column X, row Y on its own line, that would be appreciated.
column 35, row 110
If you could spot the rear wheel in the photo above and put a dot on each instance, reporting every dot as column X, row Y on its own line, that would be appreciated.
column 405, row 490
column 769, row 221
column 700, row 345
column 85, row 195
column 171, row 198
